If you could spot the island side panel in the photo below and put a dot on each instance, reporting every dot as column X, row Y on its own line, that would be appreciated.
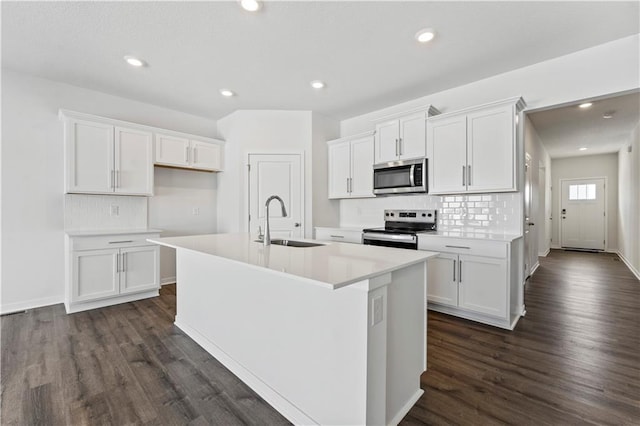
column 406, row 339
column 306, row 343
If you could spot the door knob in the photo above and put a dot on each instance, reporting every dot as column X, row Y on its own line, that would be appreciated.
column 297, row 224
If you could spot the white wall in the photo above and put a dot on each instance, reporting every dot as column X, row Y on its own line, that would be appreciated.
column 629, row 202
column 326, row 212
column 605, row 165
column 541, row 189
column 271, row 131
column 32, row 179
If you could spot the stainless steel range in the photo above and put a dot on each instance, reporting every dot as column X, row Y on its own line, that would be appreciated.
column 401, row 228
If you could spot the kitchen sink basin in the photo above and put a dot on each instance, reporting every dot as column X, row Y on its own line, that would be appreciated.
column 291, row 243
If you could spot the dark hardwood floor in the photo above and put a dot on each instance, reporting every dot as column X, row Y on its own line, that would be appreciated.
column 573, row 359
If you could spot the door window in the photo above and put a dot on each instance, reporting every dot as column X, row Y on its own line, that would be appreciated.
column 582, row 192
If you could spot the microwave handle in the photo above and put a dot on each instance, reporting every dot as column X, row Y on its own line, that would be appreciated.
column 412, row 179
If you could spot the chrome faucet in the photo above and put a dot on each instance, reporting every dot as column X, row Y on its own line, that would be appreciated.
column 267, row 235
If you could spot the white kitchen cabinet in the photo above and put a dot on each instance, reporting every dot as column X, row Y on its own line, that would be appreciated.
column 474, row 150
column 103, row 270
column 339, row 235
column 106, row 159
column 184, row 152
column 474, row 279
column 351, row 167
column 403, row 136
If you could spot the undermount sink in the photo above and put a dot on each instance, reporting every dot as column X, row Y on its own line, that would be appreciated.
column 292, row 243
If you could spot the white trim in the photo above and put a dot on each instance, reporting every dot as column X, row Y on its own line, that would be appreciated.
column 429, row 111
column 281, row 404
column 406, row 407
column 9, row 308
column 348, row 138
column 606, row 209
column 109, row 301
column 545, row 254
column 534, row 268
column 629, row 265
column 168, row 280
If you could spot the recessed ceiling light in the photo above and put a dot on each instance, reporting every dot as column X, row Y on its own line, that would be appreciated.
column 426, row 35
column 583, row 148
column 608, row 114
column 226, row 93
column 134, row 62
column 250, row 5
column 585, row 105
column 317, row 84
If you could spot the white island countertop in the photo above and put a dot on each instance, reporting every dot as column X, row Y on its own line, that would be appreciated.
column 471, row 235
column 332, row 265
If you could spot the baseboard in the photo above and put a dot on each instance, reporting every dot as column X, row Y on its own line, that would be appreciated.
column 10, row 308
column 535, row 267
column 545, row 254
column 406, row 407
column 633, row 270
column 167, row 280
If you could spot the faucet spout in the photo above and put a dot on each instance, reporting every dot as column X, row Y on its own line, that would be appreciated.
column 267, row 234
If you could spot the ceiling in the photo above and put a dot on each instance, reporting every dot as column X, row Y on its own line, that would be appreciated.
column 564, row 130
column 364, row 51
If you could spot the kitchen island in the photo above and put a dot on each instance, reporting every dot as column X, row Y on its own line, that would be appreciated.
column 333, row 334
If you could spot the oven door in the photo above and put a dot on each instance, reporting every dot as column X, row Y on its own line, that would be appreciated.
column 405, row 241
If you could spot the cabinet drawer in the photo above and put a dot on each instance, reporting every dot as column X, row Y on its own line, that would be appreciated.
column 111, row 241
column 472, row 247
column 339, row 235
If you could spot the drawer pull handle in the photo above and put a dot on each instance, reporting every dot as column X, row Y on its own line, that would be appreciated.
column 336, row 236
column 462, row 247
column 120, row 242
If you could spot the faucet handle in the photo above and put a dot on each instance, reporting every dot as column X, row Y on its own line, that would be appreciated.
column 260, row 234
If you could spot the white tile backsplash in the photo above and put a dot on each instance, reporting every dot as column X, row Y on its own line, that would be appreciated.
column 491, row 213
column 85, row 212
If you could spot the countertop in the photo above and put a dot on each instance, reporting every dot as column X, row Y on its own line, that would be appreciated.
column 332, row 265
column 96, row 232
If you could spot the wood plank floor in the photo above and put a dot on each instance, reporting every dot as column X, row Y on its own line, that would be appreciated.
column 573, row 359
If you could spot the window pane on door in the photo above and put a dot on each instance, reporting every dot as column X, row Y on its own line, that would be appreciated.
column 582, row 192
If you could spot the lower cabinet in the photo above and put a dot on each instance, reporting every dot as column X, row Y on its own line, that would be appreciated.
column 106, row 270
column 339, row 235
column 482, row 286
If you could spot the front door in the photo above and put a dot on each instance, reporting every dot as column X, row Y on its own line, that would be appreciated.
column 282, row 175
column 582, row 214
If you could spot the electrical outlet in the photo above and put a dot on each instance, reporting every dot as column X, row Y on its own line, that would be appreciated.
column 114, row 210
column 196, row 211
column 377, row 309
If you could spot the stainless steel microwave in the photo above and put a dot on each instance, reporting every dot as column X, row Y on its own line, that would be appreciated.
column 400, row 177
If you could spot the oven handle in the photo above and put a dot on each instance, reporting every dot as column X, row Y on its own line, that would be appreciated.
column 387, row 237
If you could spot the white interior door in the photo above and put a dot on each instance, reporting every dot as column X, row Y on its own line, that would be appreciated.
column 282, row 175
column 582, row 213
column 529, row 253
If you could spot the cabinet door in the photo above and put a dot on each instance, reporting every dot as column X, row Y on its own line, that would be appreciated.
column 447, row 141
column 133, row 162
column 339, row 170
column 206, row 156
column 491, row 150
column 89, row 156
column 413, row 137
column 386, row 141
column 442, row 282
column 95, row 274
column 172, row 151
column 362, row 167
column 483, row 285
column 140, row 269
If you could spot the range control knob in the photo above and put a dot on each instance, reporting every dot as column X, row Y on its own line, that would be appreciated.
column 430, row 214
column 424, row 214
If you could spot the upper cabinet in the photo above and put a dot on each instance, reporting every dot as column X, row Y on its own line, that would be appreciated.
column 106, row 156
column 474, row 150
column 184, row 152
column 106, row 159
column 402, row 136
column 351, row 167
